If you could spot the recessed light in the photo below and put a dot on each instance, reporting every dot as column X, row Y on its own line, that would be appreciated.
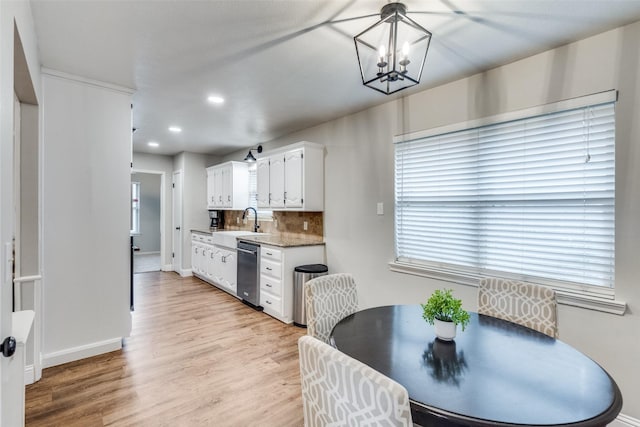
column 175, row 129
column 153, row 144
column 215, row 99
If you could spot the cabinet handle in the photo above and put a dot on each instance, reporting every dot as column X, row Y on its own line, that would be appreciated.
column 228, row 198
column 269, row 285
column 268, row 302
column 268, row 268
column 269, row 253
column 196, row 249
column 211, row 255
column 224, row 259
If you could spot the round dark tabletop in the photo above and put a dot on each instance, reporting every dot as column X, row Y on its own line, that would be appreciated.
column 494, row 373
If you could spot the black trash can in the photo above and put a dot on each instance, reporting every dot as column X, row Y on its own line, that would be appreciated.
column 301, row 275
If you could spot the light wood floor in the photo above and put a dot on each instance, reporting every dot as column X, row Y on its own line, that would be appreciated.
column 196, row 357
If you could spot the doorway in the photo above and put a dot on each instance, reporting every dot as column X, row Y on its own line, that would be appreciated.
column 147, row 220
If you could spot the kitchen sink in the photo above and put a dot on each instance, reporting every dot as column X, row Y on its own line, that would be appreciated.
column 228, row 238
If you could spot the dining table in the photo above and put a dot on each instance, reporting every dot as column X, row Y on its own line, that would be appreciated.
column 494, row 373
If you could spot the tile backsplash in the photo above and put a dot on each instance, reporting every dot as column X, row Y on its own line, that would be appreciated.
column 285, row 223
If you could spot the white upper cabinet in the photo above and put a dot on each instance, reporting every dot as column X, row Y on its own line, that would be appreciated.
column 228, row 186
column 292, row 178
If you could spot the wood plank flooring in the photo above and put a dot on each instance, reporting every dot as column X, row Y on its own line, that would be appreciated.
column 196, row 357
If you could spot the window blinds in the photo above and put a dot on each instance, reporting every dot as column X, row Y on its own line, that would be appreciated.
column 530, row 198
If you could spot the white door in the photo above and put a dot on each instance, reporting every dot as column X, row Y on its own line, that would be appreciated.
column 262, row 182
column 217, row 187
column 177, row 222
column 276, row 181
column 293, row 163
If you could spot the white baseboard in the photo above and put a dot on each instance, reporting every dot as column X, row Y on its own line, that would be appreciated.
column 29, row 375
column 81, row 352
column 625, row 421
column 185, row 272
column 167, row 267
column 146, row 253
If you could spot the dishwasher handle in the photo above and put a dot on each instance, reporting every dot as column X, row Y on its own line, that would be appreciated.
column 254, row 253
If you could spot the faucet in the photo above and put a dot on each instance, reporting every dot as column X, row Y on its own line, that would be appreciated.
column 255, row 225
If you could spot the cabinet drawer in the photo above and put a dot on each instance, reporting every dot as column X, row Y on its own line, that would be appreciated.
column 270, row 302
column 271, row 253
column 271, row 285
column 208, row 239
column 271, row 268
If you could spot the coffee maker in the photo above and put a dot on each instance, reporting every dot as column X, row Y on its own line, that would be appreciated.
column 217, row 220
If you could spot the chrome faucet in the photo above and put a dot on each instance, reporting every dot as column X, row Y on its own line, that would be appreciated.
column 255, row 225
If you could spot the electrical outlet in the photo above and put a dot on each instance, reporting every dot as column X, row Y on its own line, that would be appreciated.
column 237, row 220
column 380, row 209
column 275, row 223
column 305, row 226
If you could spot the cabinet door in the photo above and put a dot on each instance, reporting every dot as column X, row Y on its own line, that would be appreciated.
column 262, row 181
column 217, row 187
column 227, row 186
column 293, row 163
column 276, row 181
column 229, row 268
column 195, row 257
column 209, row 262
column 210, row 190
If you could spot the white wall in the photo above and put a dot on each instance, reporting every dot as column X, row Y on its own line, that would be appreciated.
column 359, row 173
column 194, row 197
column 86, row 132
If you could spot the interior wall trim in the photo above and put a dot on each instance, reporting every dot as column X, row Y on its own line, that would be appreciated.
column 625, row 421
column 81, row 352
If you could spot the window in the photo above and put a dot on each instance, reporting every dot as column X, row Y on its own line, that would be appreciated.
column 530, row 198
column 135, row 207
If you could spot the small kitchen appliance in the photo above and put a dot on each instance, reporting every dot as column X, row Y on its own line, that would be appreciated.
column 217, row 220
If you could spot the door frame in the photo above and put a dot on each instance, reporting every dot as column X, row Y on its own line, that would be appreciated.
column 177, row 221
column 163, row 217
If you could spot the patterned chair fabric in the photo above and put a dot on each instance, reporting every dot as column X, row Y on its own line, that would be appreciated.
column 338, row 390
column 328, row 300
column 526, row 304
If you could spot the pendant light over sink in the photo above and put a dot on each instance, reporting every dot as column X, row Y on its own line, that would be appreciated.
column 249, row 158
column 391, row 52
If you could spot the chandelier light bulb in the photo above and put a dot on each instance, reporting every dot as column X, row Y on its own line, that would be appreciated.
column 405, row 49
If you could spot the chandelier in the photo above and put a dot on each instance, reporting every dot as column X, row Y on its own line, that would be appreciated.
column 391, row 52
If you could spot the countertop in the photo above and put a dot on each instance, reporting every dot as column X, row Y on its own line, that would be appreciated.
column 283, row 241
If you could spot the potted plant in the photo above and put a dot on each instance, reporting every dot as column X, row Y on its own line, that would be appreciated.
column 445, row 312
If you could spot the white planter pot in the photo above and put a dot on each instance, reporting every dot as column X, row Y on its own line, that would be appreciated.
column 445, row 331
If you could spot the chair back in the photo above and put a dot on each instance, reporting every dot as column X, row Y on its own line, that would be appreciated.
column 338, row 390
column 526, row 304
column 328, row 300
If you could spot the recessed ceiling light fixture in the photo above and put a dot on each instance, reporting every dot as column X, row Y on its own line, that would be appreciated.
column 153, row 144
column 391, row 52
column 175, row 129
column 215, row 99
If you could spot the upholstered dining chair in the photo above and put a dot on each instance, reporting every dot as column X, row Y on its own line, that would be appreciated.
column 328, row 300
column 526, row 304
column 338, row 390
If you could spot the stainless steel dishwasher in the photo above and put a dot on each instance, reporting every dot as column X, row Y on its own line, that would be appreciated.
column 249, row 274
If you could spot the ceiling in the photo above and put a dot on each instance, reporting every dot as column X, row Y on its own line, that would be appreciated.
column 282, row 65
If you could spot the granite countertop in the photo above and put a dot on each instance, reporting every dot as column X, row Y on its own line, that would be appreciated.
column 283, row 241
column 202, row 231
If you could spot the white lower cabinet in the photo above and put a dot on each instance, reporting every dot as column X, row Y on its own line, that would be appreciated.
column 276, row 276
column 213, row 263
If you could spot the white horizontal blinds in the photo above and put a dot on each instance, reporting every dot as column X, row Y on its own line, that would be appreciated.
column 530, row 198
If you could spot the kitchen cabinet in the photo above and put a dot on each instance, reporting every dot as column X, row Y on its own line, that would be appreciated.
column 292, row 178
column 213, row 263
column 228, row 186
column 276, row 276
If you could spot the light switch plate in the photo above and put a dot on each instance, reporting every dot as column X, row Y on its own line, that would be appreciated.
column 380, row 208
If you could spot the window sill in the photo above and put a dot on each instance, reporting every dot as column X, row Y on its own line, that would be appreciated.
column 576, row 299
